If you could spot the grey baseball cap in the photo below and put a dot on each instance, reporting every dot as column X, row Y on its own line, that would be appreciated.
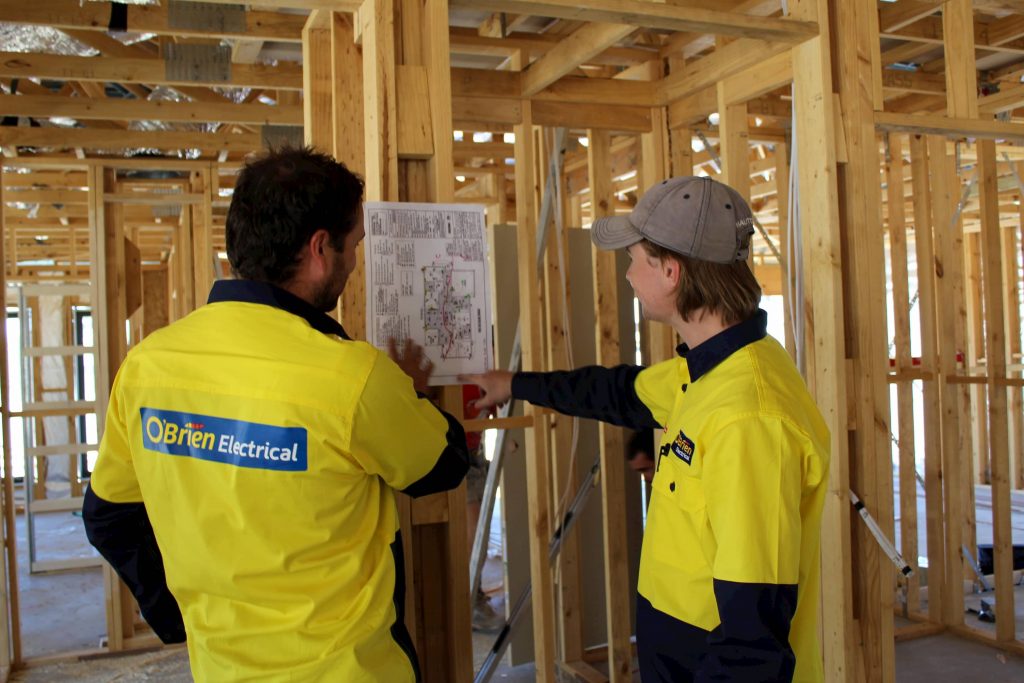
column 690, row 215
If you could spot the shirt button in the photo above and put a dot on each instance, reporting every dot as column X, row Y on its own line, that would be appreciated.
column 684, row 388
column 672, row 486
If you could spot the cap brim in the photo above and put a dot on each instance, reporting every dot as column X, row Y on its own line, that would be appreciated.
column 614, row 232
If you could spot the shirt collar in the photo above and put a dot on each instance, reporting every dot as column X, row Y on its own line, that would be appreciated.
column 254, row 292
column 705, row 356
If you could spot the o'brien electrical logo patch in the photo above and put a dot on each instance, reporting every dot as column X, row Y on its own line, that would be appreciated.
column 683, row 448
column 233, row 442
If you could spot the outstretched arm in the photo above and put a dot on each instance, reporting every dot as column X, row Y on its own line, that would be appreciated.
column 599, row 393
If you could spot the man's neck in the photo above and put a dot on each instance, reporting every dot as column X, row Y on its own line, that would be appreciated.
column 701, row 326
column 300, row 288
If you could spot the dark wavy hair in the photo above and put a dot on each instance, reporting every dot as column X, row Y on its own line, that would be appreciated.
column 281, row 199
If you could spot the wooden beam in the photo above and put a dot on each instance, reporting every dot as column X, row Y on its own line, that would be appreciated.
column 569, row 89
column 468, row 41
column 931, row 31
column 905, row 52
column 1005, row 30
column 898, row 80
column 43, row 106
column 95, row 16
column 722, row 63
column 655, row 16
column 141, row 70
column 336, row 5
column 1007, row 99
column 87, row 138
column 761, row 78
column 574, row 50
column 905, row 12
column 954, row 127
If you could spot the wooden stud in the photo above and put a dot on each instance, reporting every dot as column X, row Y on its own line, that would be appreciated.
column 948, row 306
column 927, row 293
column 538, row 466
column 995, row 357
column 1012, row 287
column 975, row 350
column 565, row 479
column 617, row 588
column 380, row 127
column 905, row 399
column 655, row 165
column 871, row 466
column 824, row 326
column 348, row 148
column 317, row 62
column 733, row 144
column 10, row 631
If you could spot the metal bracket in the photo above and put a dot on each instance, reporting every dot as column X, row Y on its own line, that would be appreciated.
column 197, row 63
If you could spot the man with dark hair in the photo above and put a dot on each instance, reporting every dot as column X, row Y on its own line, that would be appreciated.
column 640, row 453
column 252, row 451
column 729, row 573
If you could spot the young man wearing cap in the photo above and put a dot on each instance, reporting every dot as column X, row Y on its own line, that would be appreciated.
column 729, row 574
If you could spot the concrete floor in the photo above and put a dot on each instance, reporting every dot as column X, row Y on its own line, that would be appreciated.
column 65, row 611
column 927, row 660
column 60, row 611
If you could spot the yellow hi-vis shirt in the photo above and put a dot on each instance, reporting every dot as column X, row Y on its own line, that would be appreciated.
column 267, row 454
column 739, row 489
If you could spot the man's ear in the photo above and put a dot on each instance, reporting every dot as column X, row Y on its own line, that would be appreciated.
column 317, row 248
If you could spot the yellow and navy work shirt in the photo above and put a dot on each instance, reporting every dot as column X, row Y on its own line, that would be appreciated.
column 264, row 448
column 729, row 571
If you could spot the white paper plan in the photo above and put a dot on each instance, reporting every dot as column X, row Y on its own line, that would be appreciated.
column 426, row 279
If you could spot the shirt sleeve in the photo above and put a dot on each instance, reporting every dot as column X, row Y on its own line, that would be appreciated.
column 404, row 438
column 113, row 477
column 753, row 490
column 595, row 392
column 117, row 524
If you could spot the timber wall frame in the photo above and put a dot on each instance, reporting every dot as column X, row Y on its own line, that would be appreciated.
column 882, row 155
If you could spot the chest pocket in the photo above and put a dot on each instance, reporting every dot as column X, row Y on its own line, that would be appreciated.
column 677, row 520
column 679, row 471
